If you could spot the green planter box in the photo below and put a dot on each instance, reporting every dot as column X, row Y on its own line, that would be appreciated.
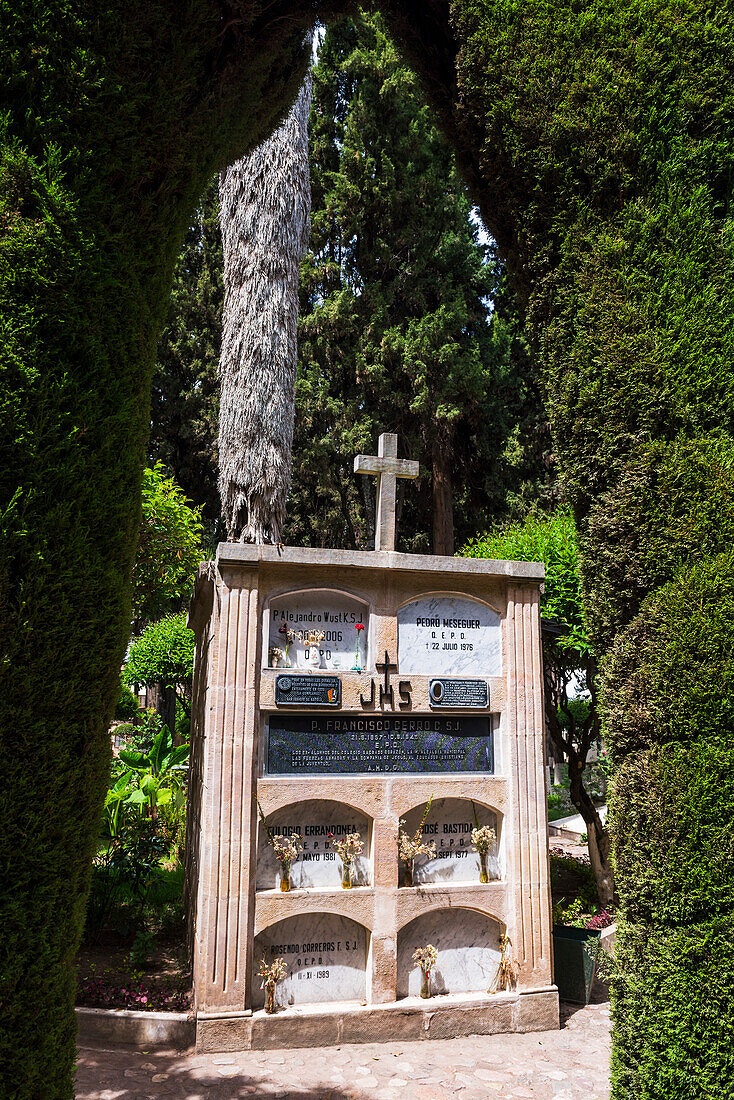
column 575, row 952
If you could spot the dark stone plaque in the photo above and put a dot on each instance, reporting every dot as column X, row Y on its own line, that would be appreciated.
column 310, row 691
column 312, row 744
column 458, row 693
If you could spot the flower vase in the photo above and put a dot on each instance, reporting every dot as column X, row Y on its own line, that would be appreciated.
column 483, row 873
column 408, row 871
column 425, row 983
column 270, row 999
column 285, row 878
column 346, row 876
column 314, row 657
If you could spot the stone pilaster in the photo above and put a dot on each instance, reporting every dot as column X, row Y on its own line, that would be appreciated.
column 226, row 900
column 524, row 747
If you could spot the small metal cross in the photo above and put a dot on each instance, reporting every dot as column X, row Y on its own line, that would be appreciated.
column 387, row 468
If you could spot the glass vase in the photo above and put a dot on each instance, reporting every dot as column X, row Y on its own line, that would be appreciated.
column 285, row 879
column 425, row 983
column 483, row 873
column 347, row 876
column 270, row 999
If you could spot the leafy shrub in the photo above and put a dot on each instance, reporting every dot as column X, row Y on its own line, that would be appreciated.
column 127, row 709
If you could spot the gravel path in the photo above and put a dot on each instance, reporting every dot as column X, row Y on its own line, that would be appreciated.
column 569, row 1064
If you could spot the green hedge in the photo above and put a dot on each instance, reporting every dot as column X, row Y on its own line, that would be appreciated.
column 674, row 1012
column 602, row 136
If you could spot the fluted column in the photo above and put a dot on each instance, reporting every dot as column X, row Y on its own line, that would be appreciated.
column 524, row 747
column 224, row 933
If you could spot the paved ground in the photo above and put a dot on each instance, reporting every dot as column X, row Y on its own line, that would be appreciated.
column 570, row 1064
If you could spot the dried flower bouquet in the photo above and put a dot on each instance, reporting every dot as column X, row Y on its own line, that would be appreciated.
column 426, row 958
column 412, row 845
column 347, row 848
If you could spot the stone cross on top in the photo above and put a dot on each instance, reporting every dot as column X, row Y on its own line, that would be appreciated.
column 387, row 468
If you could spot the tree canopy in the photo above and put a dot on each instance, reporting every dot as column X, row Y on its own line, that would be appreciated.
column 407, row 324
column 570, row 666
column 170, row 547
column 163, row 654
column 396, row 330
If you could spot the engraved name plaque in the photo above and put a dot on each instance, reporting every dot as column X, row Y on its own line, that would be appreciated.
column 304, row 744
column 458, row 693
column 309, row 691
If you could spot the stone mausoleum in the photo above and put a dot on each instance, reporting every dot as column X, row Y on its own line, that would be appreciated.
column 407, row 678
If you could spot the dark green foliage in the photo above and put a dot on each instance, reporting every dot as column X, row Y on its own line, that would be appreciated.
column 185, row 399
column 127, row 709
column 169, row 548
column 670, row 691
column 163, row 654
column 675, row 505
column 602, row 140
column 395, row 330
column 674, row 1011
column 122, row 877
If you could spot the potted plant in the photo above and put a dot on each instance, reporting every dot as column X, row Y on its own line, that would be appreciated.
column 288, row 638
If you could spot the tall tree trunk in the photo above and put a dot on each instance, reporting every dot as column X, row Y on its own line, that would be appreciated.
column 167, row 707
column 442, row 491
column 443, row 499
column 265, row 209
column 598, row 834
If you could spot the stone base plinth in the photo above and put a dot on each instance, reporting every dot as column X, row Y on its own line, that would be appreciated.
column 407, row 1020
column 144, row 1030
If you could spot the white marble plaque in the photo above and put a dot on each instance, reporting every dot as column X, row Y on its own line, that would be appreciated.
column 326, row 958
column 316, row 611
column 318, row 865
column 449, row 826
column 448, row 636
column 468, row 951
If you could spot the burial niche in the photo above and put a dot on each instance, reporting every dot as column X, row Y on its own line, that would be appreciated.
column 449, row 635
column 319, row 864
column 326, row 957
column 468, row 951
column 317, row 628
column 448, row 832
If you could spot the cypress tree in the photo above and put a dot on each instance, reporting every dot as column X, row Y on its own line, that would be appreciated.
column 395, row 329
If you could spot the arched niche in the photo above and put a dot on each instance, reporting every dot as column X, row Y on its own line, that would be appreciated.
column 326, row 956
column 449, row 634
column 449, row 826
column 468, row 948
column 319, row 866
column 328, row 611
